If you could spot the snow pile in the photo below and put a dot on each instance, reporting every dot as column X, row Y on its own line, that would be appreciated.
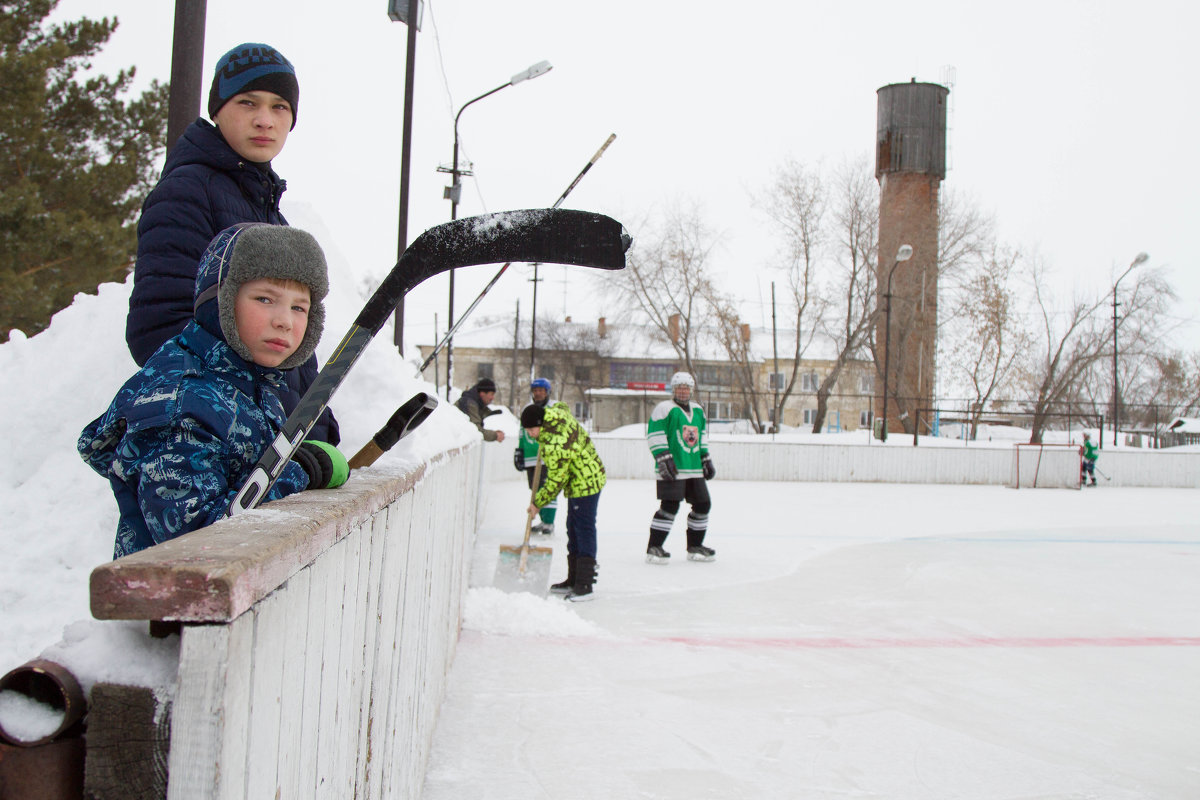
column 121, row 652
column 489, row 610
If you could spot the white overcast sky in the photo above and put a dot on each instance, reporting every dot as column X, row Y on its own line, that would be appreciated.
column 1072, row 122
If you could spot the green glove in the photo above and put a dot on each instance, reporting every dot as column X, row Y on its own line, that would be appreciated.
column 326, row 466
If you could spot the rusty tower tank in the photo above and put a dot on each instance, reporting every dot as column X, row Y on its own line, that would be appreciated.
column 910, row 164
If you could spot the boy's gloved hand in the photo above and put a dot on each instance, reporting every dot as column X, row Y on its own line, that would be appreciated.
column 666, row 466
column 324, row 463
column 707, row 467
column 519, row 460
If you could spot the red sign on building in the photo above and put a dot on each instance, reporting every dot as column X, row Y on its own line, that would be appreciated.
column 646, row 385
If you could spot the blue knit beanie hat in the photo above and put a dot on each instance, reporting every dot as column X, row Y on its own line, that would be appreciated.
column 252, row 66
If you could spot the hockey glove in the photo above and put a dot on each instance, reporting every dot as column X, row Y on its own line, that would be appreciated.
column 706, row 466
column 666, row 466
column 519, row 460
column 325, row 465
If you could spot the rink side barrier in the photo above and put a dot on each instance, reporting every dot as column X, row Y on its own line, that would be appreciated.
column 317, row 632
column 629, row 459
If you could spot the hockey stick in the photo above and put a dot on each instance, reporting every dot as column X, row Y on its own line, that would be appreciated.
column 560, row 236
column 450, row 333
column 407, row 418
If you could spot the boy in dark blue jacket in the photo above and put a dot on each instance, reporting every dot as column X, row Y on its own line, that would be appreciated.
column 217, row 176
column 184, row 433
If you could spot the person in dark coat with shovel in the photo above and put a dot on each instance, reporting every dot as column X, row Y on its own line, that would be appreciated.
column 574, row 468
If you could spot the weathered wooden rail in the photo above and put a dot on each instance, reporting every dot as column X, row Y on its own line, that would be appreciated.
column 317, row 634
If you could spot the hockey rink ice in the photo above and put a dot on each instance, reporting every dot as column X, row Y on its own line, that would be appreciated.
column 850, row 641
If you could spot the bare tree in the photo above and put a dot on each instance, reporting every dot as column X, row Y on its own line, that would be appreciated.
column 1143, row 324
column 983, row 335
column 734, row 338
column 666, row 281
column 797, row 203
column 1069, row 343
column 854, row 233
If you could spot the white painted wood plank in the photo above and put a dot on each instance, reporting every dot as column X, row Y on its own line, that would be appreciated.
column 328, row 744
column 372, row 554
column 397, row 521
column 349, row 667
column 210, row 712
column 294, row 712
column 379, row 703
column 313, row 656
column 266, row 694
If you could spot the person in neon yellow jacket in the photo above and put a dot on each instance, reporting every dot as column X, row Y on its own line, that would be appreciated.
column 574, row 468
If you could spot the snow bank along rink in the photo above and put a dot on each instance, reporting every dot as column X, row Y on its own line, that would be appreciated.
column 851, row 640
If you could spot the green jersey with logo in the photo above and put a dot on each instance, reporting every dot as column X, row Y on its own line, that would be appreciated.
column 671, row 428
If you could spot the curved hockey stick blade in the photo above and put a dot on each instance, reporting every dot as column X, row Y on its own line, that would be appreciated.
column 546, row 235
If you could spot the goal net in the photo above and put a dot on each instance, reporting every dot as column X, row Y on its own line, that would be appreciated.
column 1046, row 466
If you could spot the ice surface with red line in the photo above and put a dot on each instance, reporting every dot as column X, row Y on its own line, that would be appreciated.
column 850, row 640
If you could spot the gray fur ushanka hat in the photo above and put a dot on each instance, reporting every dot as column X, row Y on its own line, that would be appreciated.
column 250, row 251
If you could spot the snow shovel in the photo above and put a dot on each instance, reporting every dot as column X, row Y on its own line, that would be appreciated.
column 524, row 568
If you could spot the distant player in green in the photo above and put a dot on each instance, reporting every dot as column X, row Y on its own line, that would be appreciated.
column 1090, row 454
column 675, row 434
column 525, row 457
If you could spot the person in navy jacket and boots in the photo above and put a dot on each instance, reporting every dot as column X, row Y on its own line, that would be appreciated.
column 217, row 175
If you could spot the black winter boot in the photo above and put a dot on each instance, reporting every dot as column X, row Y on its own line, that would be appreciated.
column 585, row 576
column 566, row 586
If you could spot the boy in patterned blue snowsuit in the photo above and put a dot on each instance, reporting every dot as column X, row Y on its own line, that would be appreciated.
column 183, row 434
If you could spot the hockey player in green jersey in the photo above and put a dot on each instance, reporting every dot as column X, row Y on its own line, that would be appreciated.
column 675, row 434
column 525, row 457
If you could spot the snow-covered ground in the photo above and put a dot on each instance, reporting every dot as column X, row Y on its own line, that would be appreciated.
column 851, row 640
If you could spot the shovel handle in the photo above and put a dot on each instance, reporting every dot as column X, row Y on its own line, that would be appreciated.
column 537, row 477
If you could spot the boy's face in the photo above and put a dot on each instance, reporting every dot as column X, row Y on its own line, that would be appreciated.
column 255, row 124
column 539, row 394
column 271, row 318
column 533, row 433
column 683, row 393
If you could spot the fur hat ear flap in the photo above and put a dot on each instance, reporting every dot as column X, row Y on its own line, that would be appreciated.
column 280, row 253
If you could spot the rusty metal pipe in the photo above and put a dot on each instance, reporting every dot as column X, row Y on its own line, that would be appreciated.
column 48, row 683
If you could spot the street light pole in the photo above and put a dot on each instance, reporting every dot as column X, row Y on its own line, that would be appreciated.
column 903, row 254
column 454, row 192
column 408, row 12
column 1141, row 259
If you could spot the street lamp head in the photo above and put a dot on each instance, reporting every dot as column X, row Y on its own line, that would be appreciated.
column 540, row 68
column 904, row 253
column 1141, row 259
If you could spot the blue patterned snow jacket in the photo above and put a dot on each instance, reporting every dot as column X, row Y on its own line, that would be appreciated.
column 184, row 433
column 205, row 188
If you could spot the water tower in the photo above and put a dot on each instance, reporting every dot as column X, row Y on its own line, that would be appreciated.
column 910, row 163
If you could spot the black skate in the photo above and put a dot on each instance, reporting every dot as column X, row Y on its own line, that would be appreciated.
column 699, row 552
column 656, row 555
